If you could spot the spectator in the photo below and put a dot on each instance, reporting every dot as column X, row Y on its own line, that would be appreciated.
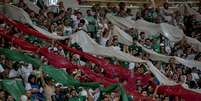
column 35, row 88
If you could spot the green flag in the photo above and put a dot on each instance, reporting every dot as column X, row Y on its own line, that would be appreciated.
column 14, row 87
column 123, row 95
column 60, row 76
column 19, row 56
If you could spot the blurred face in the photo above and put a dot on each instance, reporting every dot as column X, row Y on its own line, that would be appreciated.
column 125, row 82
column 148, row 42
column 10, row 98
column 58, row 89
column 158, row 19
column 33, row 80
column 172, row 60
column 179, row 71
column 142, row 35
column 62, row 14
column 49, row 82
column 89, row 13
column 189, row 77
column 80, row 25
column 188, row 51
column 50, row 15
column 115, row 42
column 69, row 11
column 32, row 14
column 107, row 98
column 46, row 23
column 150, row 89
column 144, row 93
column 139, row 89
column 140, row 70
column 28, row 94
column 73, row 93
column 166, row 99
column 166, row 6
column 61, row 4
column 79, row 16
column 41, row 18
column 175, row 77
column 53, row 27
column 2, row 59
column 116, row 97
column 183, row 78
column 134, row 52
column 2, row 94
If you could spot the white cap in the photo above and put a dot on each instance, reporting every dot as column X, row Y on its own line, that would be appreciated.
column 23, row 98
column 58, row 84
column 83, row 93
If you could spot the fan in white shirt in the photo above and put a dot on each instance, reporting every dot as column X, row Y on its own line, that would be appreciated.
column 25, row 71
column 105, row 37
column 167, row 13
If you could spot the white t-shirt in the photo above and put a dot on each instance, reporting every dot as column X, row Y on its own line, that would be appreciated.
column 68, row 29
column 166, row 14
column 82, row 63
column 26, row 71
column 1, row 68
column 195, row 76
column 28, row 86
column 131, row 66
column 13, row 73
column 24, row 98
column 190, row 57
column 84, row 93
column 103, row 41
column 2, row 25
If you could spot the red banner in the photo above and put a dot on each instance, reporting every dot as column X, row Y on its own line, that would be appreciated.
column 62, row 62
column 168, row 90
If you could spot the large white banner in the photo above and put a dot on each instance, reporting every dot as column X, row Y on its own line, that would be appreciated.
column 90, row 46
column 20, row 15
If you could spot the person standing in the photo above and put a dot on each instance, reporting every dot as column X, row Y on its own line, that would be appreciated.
column 167, row 14
column 92, row 24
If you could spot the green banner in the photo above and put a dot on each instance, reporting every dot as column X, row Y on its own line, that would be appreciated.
column 14, row 87
column 58, row 75
column 19, row 56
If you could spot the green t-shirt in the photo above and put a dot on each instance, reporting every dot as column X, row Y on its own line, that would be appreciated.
column 91, row 27
column 125, row 64
column 156, row 48
column 156, row 45
column 135, row 36
column 135, row 47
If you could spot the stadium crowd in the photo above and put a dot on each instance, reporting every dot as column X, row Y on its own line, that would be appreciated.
column 66, row 21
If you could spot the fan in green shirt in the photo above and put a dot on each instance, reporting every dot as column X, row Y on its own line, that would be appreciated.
column 156, row 43
column 91, row 27
column 135, row 47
